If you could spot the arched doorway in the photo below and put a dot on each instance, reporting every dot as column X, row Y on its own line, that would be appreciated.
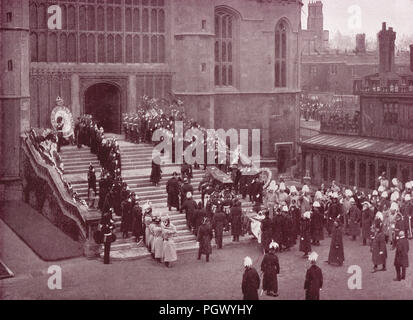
column 102, row 101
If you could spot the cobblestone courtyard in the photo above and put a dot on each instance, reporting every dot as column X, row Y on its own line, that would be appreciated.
column 192, row 279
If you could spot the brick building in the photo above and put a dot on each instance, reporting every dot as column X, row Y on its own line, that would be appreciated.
column 234, row 63
column 383, row 140
column 327, row 70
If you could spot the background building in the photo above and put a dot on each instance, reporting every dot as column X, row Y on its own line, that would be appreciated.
column 235, row 64
column 381, row 140
column 325, row 70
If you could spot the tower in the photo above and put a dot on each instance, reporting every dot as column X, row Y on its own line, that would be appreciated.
column 14, row 92
column 315, row 16
column 386, row 38
column 361, row 43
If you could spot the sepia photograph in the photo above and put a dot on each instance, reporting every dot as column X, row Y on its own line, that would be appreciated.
column 213, row 151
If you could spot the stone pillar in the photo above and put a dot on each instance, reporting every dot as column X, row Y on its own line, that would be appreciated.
column 212, row 112
column 347, row 171
column 356, row 172
column 14, row 93
column 76, row 110
column 131, row 107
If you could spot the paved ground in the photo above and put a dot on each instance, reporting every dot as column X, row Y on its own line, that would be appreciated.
column 189, row 278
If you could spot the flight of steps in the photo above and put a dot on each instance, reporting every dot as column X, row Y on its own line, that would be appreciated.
column 136, row 168
column 76, row 161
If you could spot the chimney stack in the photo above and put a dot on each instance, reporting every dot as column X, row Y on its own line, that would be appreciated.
column 386, row 39
column 361, row 43
column 411, row 57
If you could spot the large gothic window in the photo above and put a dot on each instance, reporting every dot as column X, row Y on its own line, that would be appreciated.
column 225, row 39
column 281, row 55
column 100, row 31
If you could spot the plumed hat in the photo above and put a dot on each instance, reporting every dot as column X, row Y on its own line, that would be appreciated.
column 247, row 262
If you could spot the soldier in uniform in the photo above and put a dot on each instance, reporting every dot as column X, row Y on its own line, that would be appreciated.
column 250, row 281
column 125, row 124
column 270, row 268
column 218, row 223
column 313, row 279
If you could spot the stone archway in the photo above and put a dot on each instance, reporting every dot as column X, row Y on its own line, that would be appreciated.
column 103, row 102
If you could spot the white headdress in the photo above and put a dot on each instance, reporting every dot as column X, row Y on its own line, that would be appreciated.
column 313, row 256
column 395, row 196
column 293, row 189
column 247, row 262
column 307, row 214
column 306, row 189
column 379, row 215
column 407, row 197
column 282, row 186
column 316, row 204
column 394, row 206
column 274, row 245
column 318, row 195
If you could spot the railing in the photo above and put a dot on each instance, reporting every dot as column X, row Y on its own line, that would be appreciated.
column 386, row 90
column 86, row 221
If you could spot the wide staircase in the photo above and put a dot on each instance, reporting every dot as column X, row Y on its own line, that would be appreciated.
column 136, row 169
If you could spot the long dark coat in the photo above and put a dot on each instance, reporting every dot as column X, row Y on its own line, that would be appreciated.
column 336, row 254
column 313, row 283
column 354, row 221
column 379, row 245
column 277, row 229
column 296, row 214
column 305, row 235
column 204, row 238
column 289, row 238
column 401, row 258
column 155, row 173
column 137, row 228
column 218, row 223
column 250, row 284
column 236, row 223
column 367, row 217
column 172, row 188
column 189, row 206
column 270, row 267
column 127, row 218
column 317, row 221
column 266, row 233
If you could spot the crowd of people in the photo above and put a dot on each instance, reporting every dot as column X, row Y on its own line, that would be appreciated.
column 332, row 116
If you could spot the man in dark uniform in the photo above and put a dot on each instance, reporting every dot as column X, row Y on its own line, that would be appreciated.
column 91, row 181
column 125, row 125
column 185, row 188
column 137, row 228
column 336, row 254
column 401, row 258
column 77, row 132
column 313, row 279
column 218, row 223
column 173, row 189
column 250, row 281
column 127, row 218
column 189, row 206
column 59, row 129
column 204, row 237
column 236, row 221
column 334, row 211
column 107, row 227
column 271, row 268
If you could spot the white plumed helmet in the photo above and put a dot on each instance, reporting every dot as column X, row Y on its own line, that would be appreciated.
column 247, row 262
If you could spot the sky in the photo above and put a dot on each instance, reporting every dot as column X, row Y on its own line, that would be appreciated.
column 397, row 13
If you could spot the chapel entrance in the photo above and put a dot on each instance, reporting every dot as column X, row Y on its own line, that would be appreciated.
column 103, row 102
